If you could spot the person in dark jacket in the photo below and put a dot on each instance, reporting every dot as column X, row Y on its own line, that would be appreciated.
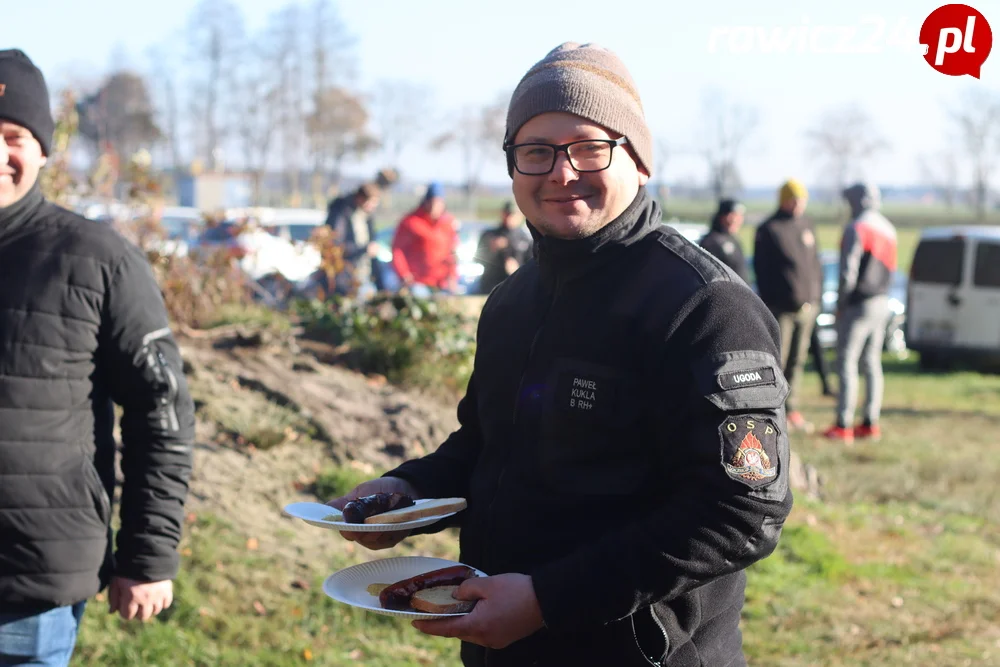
column 868, row 257
column 790, row 281
column 622, row 442
column 82, row 325
column 352, row 220
column 502, row 250
column 721, row 240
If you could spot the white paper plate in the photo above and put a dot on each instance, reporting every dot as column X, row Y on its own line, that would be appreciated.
column 350, row 584
column 316, row 513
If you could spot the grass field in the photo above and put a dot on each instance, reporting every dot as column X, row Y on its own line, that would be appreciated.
column 897, row 564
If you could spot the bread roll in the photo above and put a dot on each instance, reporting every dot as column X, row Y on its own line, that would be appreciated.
column 433, row 507
column 440, row 600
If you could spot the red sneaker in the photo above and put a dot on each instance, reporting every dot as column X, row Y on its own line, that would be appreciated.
column 796, row 422
column 871, row 431
column 845, row 435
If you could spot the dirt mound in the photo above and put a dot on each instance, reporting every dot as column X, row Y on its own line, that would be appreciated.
column 271, row 416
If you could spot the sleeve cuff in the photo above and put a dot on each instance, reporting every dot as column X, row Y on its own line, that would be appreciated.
column 146, row 569
column 560, row 611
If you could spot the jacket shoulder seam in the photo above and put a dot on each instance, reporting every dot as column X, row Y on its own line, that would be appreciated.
column 705, row 265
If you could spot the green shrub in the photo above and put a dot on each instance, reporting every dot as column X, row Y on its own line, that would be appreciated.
column 335, row 482
column 411, row 341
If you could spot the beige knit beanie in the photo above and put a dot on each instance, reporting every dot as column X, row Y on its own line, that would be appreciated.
column 586, row 80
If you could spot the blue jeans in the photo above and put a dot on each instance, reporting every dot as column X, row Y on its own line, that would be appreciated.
column 40, row 640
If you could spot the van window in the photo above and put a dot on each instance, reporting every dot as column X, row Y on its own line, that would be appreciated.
column 987, row 270
column 939, row 262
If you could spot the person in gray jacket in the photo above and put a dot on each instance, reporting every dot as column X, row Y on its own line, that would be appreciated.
column 868, row 255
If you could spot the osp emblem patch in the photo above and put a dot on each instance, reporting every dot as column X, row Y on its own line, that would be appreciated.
column 750, row 450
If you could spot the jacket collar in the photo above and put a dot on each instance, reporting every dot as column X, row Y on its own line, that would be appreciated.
column 568, row 258
column 22, row 209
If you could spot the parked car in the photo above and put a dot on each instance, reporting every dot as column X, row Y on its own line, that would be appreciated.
column 182, row 224
column 261, row 255
column 954, row 296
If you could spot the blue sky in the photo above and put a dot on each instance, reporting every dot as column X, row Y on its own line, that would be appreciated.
column 676, row 51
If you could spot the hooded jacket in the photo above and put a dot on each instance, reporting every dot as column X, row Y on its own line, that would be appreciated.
column 83, row 326
column 868, row 250
column 622, row 441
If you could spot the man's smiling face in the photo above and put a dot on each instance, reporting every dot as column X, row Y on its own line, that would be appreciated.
column 21, row 158
column 565, row 203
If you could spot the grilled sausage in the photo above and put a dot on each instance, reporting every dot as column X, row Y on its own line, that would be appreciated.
column 397, row 596
column 358, row 510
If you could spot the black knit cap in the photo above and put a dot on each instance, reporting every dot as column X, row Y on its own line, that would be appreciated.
column 24, row 97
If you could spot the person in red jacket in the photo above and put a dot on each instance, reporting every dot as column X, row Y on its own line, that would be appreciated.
column 423, row 248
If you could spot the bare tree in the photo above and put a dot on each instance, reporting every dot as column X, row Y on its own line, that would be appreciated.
column 119, row 116
column 727, row 127
column 402, row 111
column 337, row 129
column 288, row 65
column 478, row 133
column 978, row 121
column 333, row 63
column 254, row 112
column 215, row 30
column 846, row 139
column 163, row 90
column 940, row 172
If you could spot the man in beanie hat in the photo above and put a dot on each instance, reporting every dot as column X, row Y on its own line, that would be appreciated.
column 790, row 281
column 83, row 326
column 721, row 240
column 621, row 441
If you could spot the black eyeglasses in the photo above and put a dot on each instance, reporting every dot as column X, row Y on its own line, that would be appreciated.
column 587, row 155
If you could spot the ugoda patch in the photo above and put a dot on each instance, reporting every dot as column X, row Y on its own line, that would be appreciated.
column 753, row 377
column 750, row 450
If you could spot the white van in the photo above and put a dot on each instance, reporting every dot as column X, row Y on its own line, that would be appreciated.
column 953, row 308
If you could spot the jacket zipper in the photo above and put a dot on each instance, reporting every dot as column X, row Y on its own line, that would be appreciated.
column 638, row 644
column 517, row 400
column 171, row 400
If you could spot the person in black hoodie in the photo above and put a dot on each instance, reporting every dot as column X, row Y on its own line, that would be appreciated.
column 82, row 325
column 502, row 250
column 622, row 441
column 790, row 281
column 721, row 239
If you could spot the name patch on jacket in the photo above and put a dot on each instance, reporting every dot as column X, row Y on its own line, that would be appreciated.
column 584, row 393
column 746, row 378
column 750, row 450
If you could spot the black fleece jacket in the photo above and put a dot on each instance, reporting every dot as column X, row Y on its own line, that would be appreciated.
column 786, row 263
column 83, row 325
column 623, row 442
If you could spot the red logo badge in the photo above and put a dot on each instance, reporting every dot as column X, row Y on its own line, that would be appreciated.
column 957, row 40
column 751, row 462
